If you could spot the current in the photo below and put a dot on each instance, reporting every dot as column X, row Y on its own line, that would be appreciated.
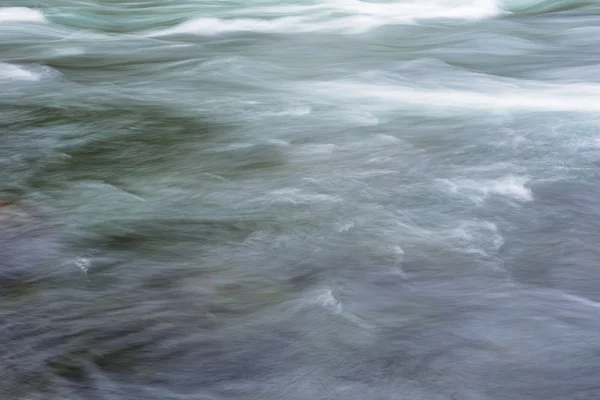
column 299, row 200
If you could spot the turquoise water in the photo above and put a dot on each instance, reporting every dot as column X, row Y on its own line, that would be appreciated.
column 328, row 199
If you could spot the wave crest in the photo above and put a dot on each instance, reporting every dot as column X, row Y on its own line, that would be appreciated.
column 21, row 14
column 334, row 16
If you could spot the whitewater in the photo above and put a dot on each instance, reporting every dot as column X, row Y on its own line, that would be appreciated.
column 318, row 199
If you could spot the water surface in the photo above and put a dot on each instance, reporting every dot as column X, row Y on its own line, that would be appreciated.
column 328, row 199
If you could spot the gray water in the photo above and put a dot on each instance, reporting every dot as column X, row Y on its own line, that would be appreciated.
column 326, row 199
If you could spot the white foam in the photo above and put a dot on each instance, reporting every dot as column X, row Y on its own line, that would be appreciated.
column 335, row 16
column 9, row 72
column 325, row 298
column 401, row 11
column 70, row 51
column 30, row 72
column 581, row 300
column 397, row 268
column 514, row 187
column 479, row 237
column 520, row 96
column 344, row 226
column 83, row 264
column 511, row 186
column 328, row 300
column 216, row 26
column 21, row 14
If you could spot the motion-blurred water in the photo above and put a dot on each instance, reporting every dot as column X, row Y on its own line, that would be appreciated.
column 326, row 199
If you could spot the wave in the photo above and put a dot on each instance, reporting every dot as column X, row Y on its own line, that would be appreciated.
column 333, row 16
column 512, row 187
column 215, row 26
column 10, row 72
column 356, row 16
column 406, row 10
column 515, row 97
column 21, row 14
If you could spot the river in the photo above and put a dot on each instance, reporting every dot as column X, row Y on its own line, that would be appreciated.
column 300, row 200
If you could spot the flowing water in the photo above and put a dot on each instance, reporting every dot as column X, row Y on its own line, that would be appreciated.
column 303, row 199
